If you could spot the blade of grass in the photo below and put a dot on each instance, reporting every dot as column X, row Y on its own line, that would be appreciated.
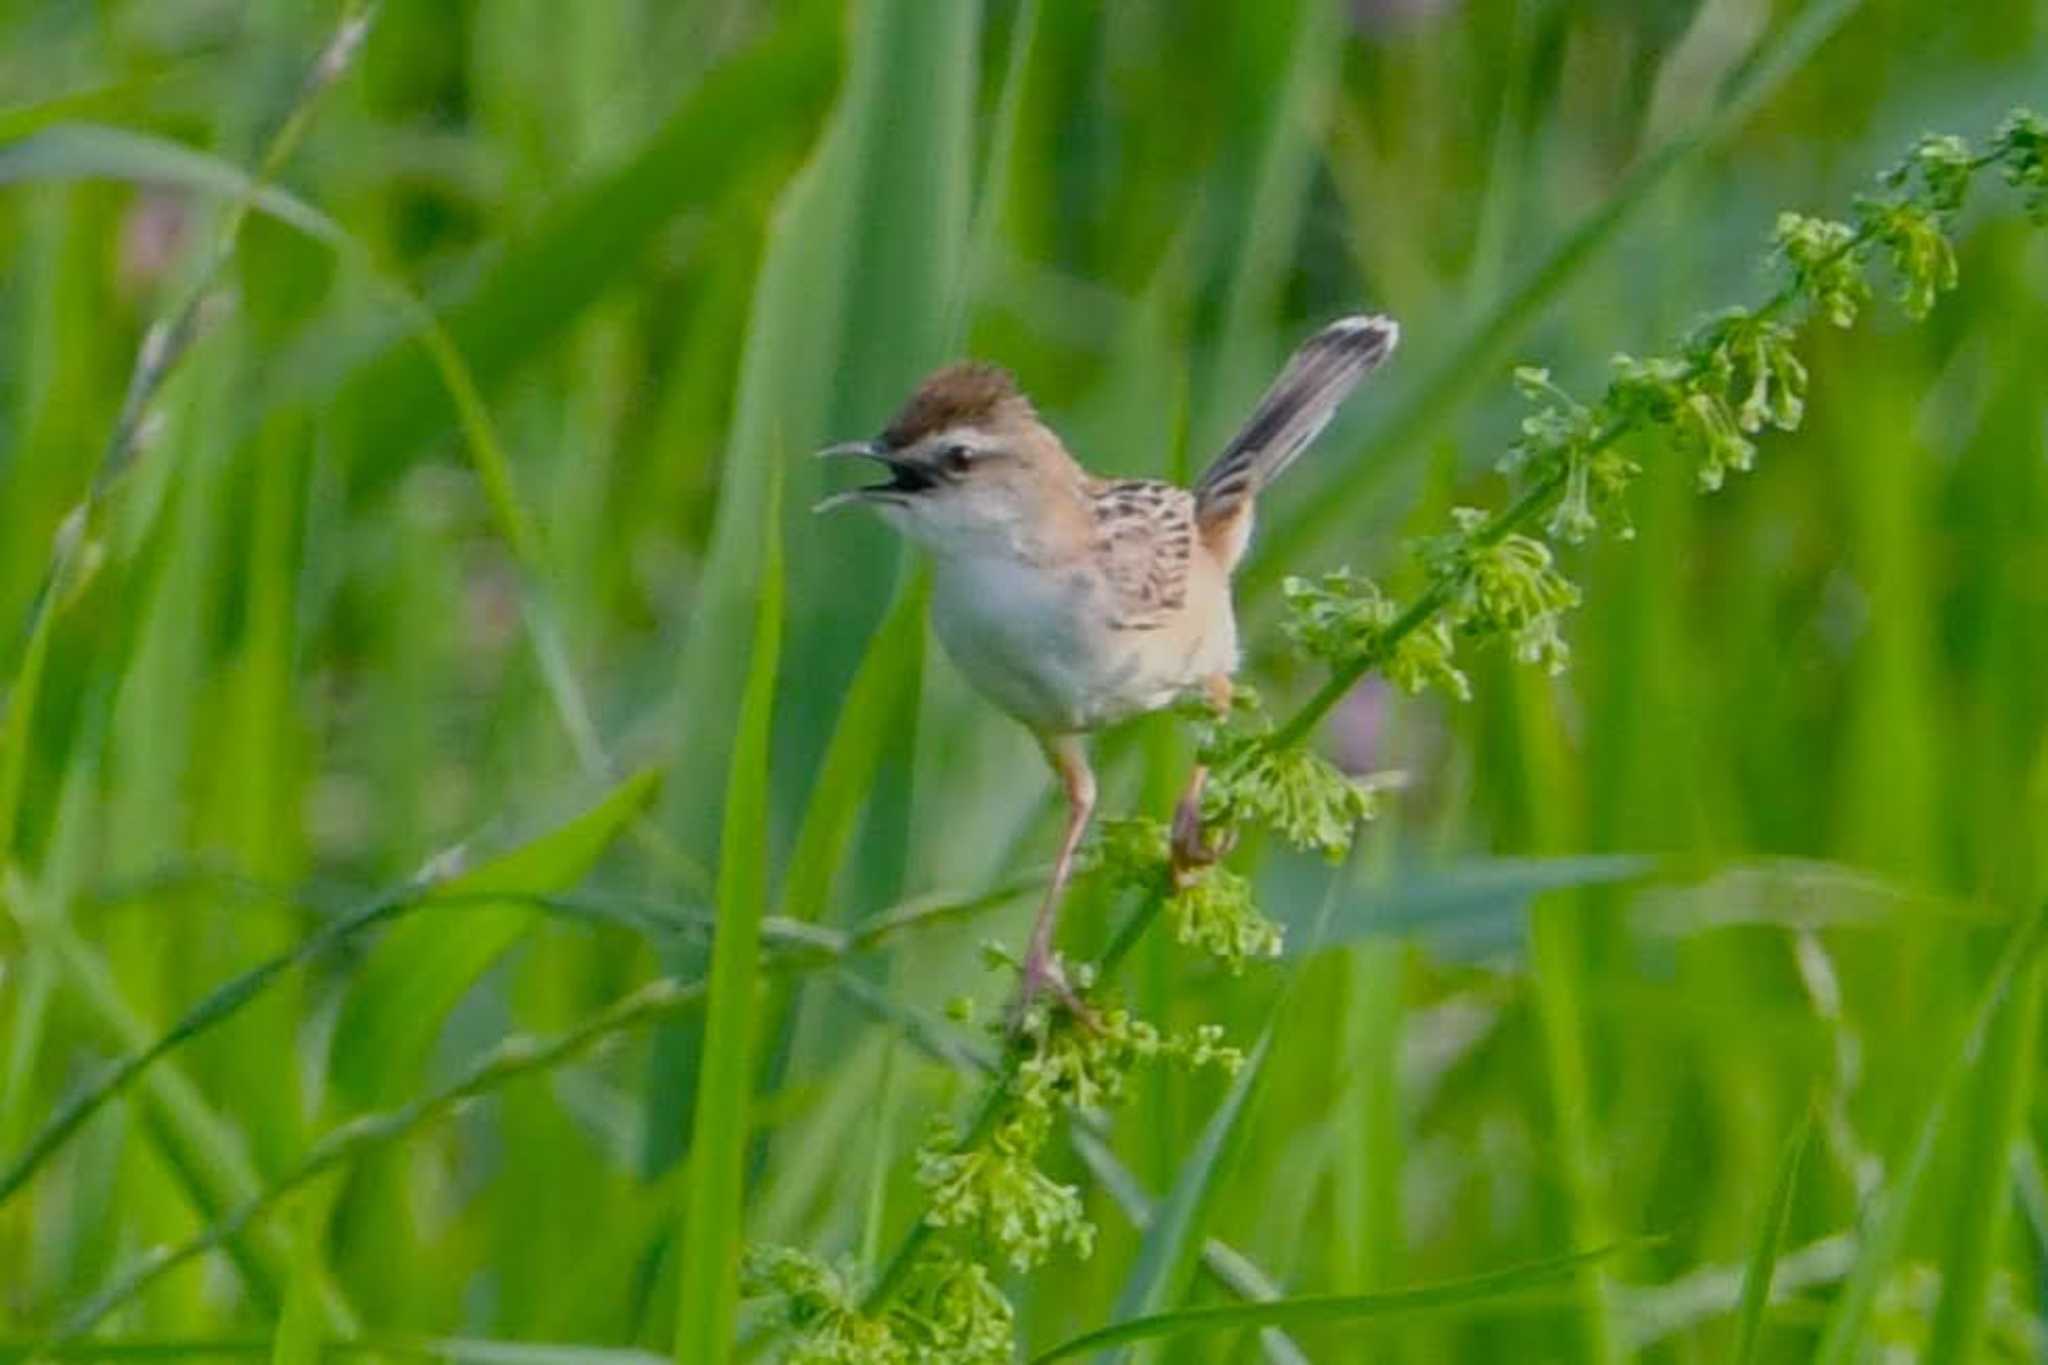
column 83, row 151
column 1475, row 357
column 711, row 1232
column 510, row 1060
column 861, row 256
column 403, row 992
column 513, row 1058
column 299, row 1336
column 1770, row 1237
column 1223, row 1263
column 752, row 111
column 1276, row 202
column 810, row 944
column 1997, row 1109
column 1848, row 1333
column 472, row 1350
column 49, row 154
column 1499, row 1290
column 853, row 754
column 1173, row 1238
column 1229, row 1268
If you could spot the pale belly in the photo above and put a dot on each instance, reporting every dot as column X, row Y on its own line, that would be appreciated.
column 1039, row 645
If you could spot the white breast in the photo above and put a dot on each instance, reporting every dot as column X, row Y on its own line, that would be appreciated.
column 1037, row 643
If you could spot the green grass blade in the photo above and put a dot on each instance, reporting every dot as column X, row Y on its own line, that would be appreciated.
column 91, row 152
column 1770, row 1239
column 1275, row 205
column 1996, row 1117
column 1847, row 1336
column 751, row 113
column 711, row 1232
column 861, row 255
column 406, row 987
column 887, row 671
column 203, row 1146
column 1470, row 906
column 1228, row 1267
column 299, row 1327
column 73, row 152
column 454, row 1350
column 1173, row 1239
column 511, row 1059
column 985, row 236
column 15, row 728
column 1503, row 1289
column 1476, row 356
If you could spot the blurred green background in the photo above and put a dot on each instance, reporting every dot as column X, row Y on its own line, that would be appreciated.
column 1753, row 857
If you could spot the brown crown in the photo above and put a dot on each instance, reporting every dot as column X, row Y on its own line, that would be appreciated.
column 970, row 392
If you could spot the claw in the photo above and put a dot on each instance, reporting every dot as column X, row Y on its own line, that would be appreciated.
column 1192, row 845
column 1043, row 975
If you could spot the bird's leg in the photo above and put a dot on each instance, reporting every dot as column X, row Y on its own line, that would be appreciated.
column 1041, row 970
column 1192, row 847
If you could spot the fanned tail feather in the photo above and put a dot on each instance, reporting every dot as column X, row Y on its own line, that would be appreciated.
column 1318, row 377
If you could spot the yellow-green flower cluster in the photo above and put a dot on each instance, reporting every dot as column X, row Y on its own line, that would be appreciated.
column 1344, row 616
column 2021, row 148
column 996, row 1190
column 1826, row 260
column 1209, row 907
column 1212, row 909
column 1507, row 585
column 1563, row 439
column 949, row 1312
column 1291, row 791
column 992, row 1187
column 952, row 1313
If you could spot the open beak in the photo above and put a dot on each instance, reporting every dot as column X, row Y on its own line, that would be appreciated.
column 905, row 476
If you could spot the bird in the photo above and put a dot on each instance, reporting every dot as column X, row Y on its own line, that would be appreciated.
column 1073, row 601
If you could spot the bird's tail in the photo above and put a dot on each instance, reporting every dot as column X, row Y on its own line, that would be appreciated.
column 1318, row 377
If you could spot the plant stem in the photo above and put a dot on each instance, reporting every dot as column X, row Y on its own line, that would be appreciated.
column 1535, row 500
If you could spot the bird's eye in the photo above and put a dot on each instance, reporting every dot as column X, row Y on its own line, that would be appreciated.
column 956, row 458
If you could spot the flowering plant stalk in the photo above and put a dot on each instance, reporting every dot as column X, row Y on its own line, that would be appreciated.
column 990, row 1207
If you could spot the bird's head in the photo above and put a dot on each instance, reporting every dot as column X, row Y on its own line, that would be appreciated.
column 971, row 468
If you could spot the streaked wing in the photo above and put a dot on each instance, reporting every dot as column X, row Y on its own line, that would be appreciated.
column 1144, row 533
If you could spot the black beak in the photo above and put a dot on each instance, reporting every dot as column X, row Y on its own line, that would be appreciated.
column 906, row 477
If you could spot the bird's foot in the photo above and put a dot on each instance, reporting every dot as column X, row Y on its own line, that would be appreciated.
column 1042, row 981
column 1193, row 848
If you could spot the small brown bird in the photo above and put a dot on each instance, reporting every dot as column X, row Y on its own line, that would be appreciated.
column 1072, row 601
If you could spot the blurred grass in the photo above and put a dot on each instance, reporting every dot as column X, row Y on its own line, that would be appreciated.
column 678, row 246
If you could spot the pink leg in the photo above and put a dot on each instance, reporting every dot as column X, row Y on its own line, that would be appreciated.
column 1191, row 846
column 1070, row 759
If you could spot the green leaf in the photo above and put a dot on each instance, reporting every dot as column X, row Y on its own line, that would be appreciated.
column 889, row 669
column 78, row 151
column 751, row 113
column 1498, row 1290
column 1770, row 1237
column 1998, row 1104
column 1848, row 1335
column 1474, row 356
column 1173, row 1239
column 1475, row 906
column 848, row 307
column 417, row 973
column 458, row 1350
column 712, row 1237
column 299, row 1327
column 81, row 151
